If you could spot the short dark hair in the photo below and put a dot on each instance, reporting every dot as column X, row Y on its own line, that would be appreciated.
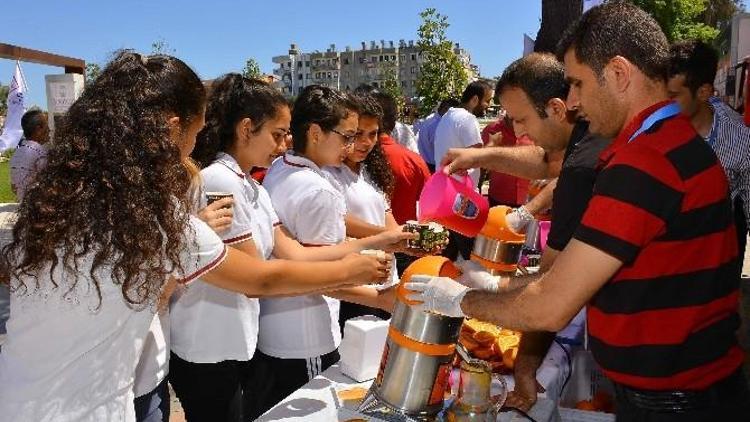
column 447, row 104
column 696, row 60
column 475, row 89
column 31, row 121
column 618, row 29
column 540, row 76
column 321, row 105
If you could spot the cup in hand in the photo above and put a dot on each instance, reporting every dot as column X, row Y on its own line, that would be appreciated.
column 215, row 196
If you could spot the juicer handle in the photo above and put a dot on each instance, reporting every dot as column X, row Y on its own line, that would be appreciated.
column 498, row 400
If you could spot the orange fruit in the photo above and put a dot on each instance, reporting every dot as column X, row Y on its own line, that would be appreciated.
column 484, row 353
column 509, row 357
column 485, row 338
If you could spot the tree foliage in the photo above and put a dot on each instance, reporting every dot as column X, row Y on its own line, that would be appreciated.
column 4, row 90
column 252, row 69
column 391, row 83
column 161, row 46
column 680, row 19
column 92, row 72
column 441, row 73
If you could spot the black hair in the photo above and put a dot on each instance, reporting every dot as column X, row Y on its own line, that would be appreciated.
column 696, row 60
column 475, row 89
column 31, row 121
column 617, row 28
column 447, row 104
column 376, row 164
column 540, row 76
column 115, row 185
column 320, row 105
column 233, row 98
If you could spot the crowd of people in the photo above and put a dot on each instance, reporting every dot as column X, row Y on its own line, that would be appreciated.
column 125, row 277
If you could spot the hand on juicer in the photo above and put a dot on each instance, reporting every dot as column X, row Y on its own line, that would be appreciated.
column 519, row 219
column 474, row 275
column 440, row 295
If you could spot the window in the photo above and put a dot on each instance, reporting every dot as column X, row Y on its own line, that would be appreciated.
column 373, row 59
column 346, row 60
column 329, row 75
column 299, row 65
column 361, row 60
column 299, row 77
column 403, row 84
column 317, row 62
column 393, row 58
column 335, row 75
column 374, row 84
column 307, row 63
column 413, row 56
column 413, row 70
column 403, row 57
column 381, row 58
column 413, row 83
column 289, row 65
column 328, row 62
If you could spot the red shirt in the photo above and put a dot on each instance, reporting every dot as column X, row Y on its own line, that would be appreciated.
column 410, row 172
column 667, row 319
column 506, row 189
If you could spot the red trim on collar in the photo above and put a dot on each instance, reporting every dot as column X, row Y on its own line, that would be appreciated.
column 293, row 164
column 627, row 131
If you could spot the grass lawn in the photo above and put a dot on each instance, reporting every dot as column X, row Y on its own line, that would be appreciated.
column 6, row 195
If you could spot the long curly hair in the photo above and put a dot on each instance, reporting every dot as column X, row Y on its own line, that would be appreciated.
column 115, row 187
column 233, row 98
column 376, row 164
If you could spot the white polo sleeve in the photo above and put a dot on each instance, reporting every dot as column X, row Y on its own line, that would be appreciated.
column 217, row 178
column 204, row 250
column 321, row 219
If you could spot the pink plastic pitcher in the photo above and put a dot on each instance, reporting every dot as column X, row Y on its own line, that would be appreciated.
column 453, row 203
column 544, row 227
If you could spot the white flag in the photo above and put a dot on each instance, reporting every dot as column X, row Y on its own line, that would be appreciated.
column 528, row 45
column 12, row 131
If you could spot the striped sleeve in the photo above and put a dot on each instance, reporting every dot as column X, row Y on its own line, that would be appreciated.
column 204, row 251
column 633, row 199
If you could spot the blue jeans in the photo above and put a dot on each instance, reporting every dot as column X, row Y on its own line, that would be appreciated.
column 153, row 406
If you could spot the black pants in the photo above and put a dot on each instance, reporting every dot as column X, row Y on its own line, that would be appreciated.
column 731, row 405
column 153, row 406
column 210, row 391
column 277, row 378
column 741, row 222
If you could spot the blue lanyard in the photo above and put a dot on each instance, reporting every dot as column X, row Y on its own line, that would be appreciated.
column 669, row 110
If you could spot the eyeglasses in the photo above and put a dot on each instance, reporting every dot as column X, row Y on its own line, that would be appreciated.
column 348, row 139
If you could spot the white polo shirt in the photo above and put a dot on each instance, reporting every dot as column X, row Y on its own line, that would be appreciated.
column 73, row 358
column 210, row 324
column 313, row 211
column 29, row 157
column 364, row 200
column 457, row 129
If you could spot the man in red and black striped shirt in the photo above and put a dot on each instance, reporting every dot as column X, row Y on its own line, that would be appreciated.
column 655, row 257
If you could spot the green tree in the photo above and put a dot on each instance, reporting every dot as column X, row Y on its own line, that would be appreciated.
column 92, row 72
column 680, row 19
column 441, row 73
column 252, row 69
column 161, row 46
column 391, row 83
column 4, row 89
column 718, row 11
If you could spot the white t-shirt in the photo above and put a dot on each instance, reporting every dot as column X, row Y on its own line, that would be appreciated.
column 313, row 211
column 153, row 365
column 403, row 134
column 210, row 324
column 29, row 158
column 73, row 358
column 363, row 200
column 457, row 129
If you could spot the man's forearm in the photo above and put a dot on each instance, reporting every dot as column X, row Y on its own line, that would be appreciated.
column 528, row 162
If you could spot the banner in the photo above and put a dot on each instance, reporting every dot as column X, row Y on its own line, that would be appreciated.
column 528, row 45
column 12, row 132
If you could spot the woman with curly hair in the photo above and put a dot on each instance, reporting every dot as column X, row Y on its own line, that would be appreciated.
column 103, row 229
column 214, row 331
column 366, row 181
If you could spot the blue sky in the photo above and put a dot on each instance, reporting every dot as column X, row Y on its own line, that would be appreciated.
column 217, row 36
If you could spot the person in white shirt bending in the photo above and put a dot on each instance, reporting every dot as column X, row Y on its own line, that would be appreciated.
column 214, row 331
column 31, row 154
column 103, row 229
